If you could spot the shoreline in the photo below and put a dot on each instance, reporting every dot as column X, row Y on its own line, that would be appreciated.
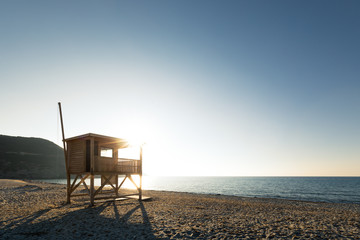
column 218, row 194
column 35, row 209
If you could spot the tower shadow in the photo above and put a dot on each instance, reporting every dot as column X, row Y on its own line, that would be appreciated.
column 120, row 220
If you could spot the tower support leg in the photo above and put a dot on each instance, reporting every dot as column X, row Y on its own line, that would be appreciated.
column 68, row 193
column 92, row 192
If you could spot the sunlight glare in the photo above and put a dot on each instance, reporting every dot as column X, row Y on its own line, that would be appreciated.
column 157, row 151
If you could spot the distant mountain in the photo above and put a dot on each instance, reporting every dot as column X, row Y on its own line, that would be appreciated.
column 30, row 158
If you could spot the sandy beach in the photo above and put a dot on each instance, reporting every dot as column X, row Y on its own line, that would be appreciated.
column 35, row 210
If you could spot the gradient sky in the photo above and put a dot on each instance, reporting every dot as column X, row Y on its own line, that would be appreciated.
column 241, row 88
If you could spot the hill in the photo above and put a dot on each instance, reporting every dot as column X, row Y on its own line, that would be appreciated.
column 30, row 158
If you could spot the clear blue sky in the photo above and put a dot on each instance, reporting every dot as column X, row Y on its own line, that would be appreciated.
column 247, row 88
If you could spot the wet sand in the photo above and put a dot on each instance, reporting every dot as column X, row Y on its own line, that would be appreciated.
column 35, row 210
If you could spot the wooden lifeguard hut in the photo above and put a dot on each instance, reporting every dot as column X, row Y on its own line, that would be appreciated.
column 90, row 155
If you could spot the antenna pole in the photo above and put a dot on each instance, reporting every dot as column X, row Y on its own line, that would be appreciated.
column 65, row 154
column 62, row 125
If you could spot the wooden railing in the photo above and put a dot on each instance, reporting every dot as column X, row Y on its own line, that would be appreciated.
column 125, row 165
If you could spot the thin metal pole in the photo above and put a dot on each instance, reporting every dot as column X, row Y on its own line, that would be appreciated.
column 63, row 135
column 65, row 154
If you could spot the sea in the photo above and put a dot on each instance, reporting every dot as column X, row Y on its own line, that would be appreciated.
column 316, row 189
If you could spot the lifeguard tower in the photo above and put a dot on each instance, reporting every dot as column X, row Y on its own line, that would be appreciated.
column 90, row 155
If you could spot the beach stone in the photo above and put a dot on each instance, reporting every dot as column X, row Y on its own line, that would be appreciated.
column 291, row 226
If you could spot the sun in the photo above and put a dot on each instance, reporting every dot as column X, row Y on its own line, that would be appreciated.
column 135, row 132
column 149, row 136
column 135, row 140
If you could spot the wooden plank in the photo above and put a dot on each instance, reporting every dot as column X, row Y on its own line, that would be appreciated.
column 100, row 193
column 102, row 184
column 143, row 198
column 133, row 182
column 128, row 159
column 72, row 185
column 110, row 200
column 77, row 185
column 112, row 179
column 121, row 183
column 125, row 197
column 85, row 185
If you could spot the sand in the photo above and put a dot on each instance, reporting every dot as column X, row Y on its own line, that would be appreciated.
column 34, row 210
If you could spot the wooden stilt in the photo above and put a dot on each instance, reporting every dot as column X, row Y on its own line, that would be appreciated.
column 140, row 189
column 92, row 190
column 68, row 188
column 117, row 185
column 92, row 165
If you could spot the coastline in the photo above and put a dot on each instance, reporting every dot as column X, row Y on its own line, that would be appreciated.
column 38, row 210
column 315, row 189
